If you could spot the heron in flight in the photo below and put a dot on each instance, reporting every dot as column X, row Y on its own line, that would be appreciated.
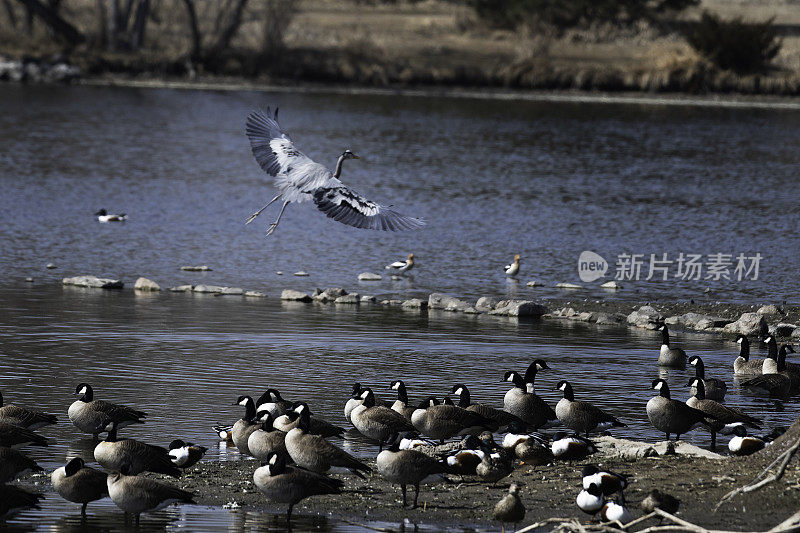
column 300, row 179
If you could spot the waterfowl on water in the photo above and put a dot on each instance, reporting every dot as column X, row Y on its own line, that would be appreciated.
column 14, row 436
column 770, row 365
column 512, row 269
column 78, row 483
column 14, row 463
column 97, row 416
column 24, row 417
column 524, row 404
column 243, row 427
column 671, row 416
column 579, row 416
column 134, row 456
column 402, row 266
column 570, row 447
column 225, row 433
column 185, row 454
column 509, row 508
column 287, row 484
column 715, row 388
column 724, row 416
column 407, row 467
column 668, row 356
column 377, row 422
column 777, row 384
column 502, row 418
column 266, row 439
column 743, row 365
column 137, row 494
column 103, row 216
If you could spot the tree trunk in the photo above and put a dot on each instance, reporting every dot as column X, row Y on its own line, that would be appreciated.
column 113, row 26
column 56, row 23
column 196, row 43
column 139, row 24
column 12, row 18
column 227, row 34
column 102, row 23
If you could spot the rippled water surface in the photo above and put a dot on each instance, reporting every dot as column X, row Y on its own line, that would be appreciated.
column 491, row 178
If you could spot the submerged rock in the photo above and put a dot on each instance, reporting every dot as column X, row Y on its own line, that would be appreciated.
column 609, row 319
column 144, row 284
column 352, row 299
column 50, row 266
column 534, row 283
column 447, row 303
column 415, row 303
column 301, row 273
column 232, row 291
column 572, row 286
column 295, row 296
column 392, row 302
column 369, row 276
column 366, row 299
column 255, row 294
column 519, row 308
column 199, row 268
column 93, row 282
column 208, row 288
column 182, row 288
column 611, row 285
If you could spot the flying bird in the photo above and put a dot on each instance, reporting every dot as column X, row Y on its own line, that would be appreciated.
column 300, row 179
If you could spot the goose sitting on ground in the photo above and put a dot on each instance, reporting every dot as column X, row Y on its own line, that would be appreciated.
column 444, row 421
column 103, row 216
column 13, row 500
column 509, row 508
column 502, row 418
column 78, row 483
column 96, row 416
column 14, row 436
column 266, row 439
column 400, row 267
column 744, row 444
column 667, row 356
column 287, row 484
column 137, row 494
column 401, row 403
column 246, row 425
column 743, row 365
column 27, row 418
column 14, row 463
column 571, row 447
column 135, row 456
column 671, row 416
column 377, row 422
column 314, row 452
column 715, row 388
column 582, row 417
column 526, row 405
column 725, row 416
column 407, row 467
column 513, row 269
column 533, row 448
column 185, row 454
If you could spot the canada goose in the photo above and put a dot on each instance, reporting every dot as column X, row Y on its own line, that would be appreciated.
column 502, row 418
column 509, row 508
column 770, row 365
column 14, row 464
column 95, row 416
column 78, row 483
column 445, row 421
column 15, row 436
column 536, row 366
column 671, row 357
column 742, row 365
column 656, row 499
column 103, row 216
column 273, row 402
column 777, row 384
column 314, row 452
column 137, row 494
column 402, row 266
column 316, row 426
column 243, row 427
column 377, row 422
column 609, row 482
column 744, row 444
column 266, row 439
column 353, row 402
column 407, row 467
column 27, row 418
column 724, row 415
column 13, row 500
column 287, row 484
column 526, row 405
column 613, row 511
column 581, row 417
column 532, row 448
column 590, row 500
column 715, row 388
column 185, row 454
column 401, row 403
column 672, row 416
column 569, row 447
column 113, row 454
column 512, row 269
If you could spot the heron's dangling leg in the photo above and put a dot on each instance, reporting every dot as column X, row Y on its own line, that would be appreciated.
column 254, row 215
column 275, row 224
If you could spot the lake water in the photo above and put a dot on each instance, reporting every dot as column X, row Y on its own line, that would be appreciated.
column 491, row 178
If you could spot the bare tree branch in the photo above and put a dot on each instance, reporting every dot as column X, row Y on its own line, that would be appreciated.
column 54, row 21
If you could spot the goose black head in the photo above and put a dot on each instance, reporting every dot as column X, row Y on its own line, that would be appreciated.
column 589, row 470
column 356, row 389
column 394, row 442
column 462, row 391
column 249, row 407
column 700, row 388
column 661, row 386
column 177, row 444
column 101, row 213
column 369, row 398
column 275, row 463
column 515, row 378
column 566, row 388
column 448, row 401
column 430, row 401
column 739, row 430
column 397, row 385
column 772, row 346
column 84, row 392
column 265, row 417
column 112, row 432
column 274, row 395
column 73, row 466
column 536, row 366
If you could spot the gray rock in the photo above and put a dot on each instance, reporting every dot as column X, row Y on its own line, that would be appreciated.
column 747, row 324
column 208, row 289
column 796, row 334
column 232, row 291
column 673, row 320
column 486, row 303
column 396, row 303
column 571, row 286
column 295, row 296
column 704, row 324
column 586, row 317
column 369, row 276
column 473, row 311
column 352, row 299
column 783, row 329
column 568, row 312
column 448, row 303
column 644, row 317
column 415, row 303
column 144, row 284
column 366, row 299
column 534, row 283
column 328, row 295
column 93, row 282
column 199, row 268
column 519, row 308
column 611, row 285
column 62, row 73
column 768, row 310
column 255, row 294
column 50, row 266
column 301, row 273
column 182, row 288
column 609, row 319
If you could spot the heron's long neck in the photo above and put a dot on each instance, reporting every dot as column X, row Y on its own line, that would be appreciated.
column 338, row 171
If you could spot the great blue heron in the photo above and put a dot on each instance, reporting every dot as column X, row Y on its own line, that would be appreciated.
column 299, row 179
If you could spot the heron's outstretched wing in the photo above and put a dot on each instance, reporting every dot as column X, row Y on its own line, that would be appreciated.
column 296, row 175
column 348, row 207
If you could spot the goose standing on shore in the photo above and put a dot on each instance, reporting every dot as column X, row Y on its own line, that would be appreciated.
column 668, row 356
column 246, row 425
column 407, row 467
column 579, row 416
column 725, row 416
column 78, row 483
column 715, row 388
column 377, row 422
column 513, row 269
column 672, row 416
column 399, row 267
column 526, row 405
column 21, row 416
column 96, row 416
column 743, row 365
column 137, row 494
column 503, row 418
column 299, row 179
